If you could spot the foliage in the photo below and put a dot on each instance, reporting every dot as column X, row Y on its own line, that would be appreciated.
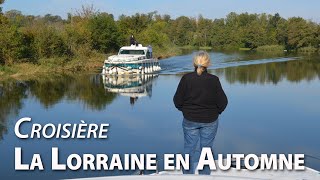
column 271, row 48
column 49, row 43
column 104, row 33
column 77, row 36
column 14, row 44
column 301, row 33
column 88, row 32
column 1, row 2
column 308, row 49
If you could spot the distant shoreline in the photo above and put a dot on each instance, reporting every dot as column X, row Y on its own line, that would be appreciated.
column 88, row 34
column 22, row 71
column 26, row 70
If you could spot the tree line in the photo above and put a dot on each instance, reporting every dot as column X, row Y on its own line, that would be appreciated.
column 88, row 32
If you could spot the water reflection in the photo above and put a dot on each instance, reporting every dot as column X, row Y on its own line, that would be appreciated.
column 134, row 87
column 49, row 91
column 11, row 95
column 275, row 112
column 93, row 91
column 86, row 89
column 293, row 71
column 181, row 64
column 96, row 92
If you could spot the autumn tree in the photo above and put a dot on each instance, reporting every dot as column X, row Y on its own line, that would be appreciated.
column 300, row 32
column 104, row 33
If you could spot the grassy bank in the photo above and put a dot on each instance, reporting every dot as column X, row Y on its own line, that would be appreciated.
column 23, row 71
column 189, row 47
column 45, row 66
column 94, row 62
column 271, row 48
column 162, row 53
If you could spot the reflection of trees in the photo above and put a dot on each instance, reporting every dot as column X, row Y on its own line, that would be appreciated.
column 49, row 91
column 90, row 91
column 11, row 96
column 293, row 71
column 86, row 89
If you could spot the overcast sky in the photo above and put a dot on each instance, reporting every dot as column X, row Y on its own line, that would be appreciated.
column 308, row 9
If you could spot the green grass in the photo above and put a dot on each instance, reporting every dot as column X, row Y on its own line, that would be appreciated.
column 205, row 48
column 190, row 47
column 308, row 49
column 187, row 47
column 271, row 48
column 6, row 70
column 53, row 62
column 166, row 52
column 244, row 49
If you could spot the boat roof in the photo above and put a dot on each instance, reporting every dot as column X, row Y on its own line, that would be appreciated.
column 134, row 47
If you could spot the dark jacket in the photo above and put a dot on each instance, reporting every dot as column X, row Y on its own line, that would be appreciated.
column 132, row 41
column 200, row 98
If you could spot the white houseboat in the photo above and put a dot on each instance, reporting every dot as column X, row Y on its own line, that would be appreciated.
column 134, row 59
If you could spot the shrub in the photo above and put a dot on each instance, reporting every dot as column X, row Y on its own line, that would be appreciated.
column 308, row 49
column 271, row 48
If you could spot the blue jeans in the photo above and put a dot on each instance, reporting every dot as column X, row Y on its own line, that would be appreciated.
column 198, row 133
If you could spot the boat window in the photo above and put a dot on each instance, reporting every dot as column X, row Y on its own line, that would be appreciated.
column 135, row 52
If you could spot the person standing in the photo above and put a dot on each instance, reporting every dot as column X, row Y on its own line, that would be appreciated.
column 201, row 99
column 132, row 40
column 150, row 50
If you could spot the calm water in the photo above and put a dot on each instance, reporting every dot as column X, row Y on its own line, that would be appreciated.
column 273, row 108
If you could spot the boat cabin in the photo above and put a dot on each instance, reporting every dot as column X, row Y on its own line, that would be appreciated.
column 135, row 50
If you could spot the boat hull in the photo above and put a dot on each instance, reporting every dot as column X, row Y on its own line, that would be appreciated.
column 146, row 66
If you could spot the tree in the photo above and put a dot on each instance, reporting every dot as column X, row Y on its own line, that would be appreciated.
column 203, row 34
column 48, row 18
column 182, row 30
column 2, row 20
column 78, row 37
column 300, row 33
column 255, row 31
column 252, row 36
column 155, row 36
column 218, row 36
column 12, row 43
column 274, row 21
column 15, row 17
column 87, row 12
column 89, row 32
column 232, row 31
column 104, row 33
column 49, row 43
column 1, row 2
column 134, row 24
column 282, row 32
